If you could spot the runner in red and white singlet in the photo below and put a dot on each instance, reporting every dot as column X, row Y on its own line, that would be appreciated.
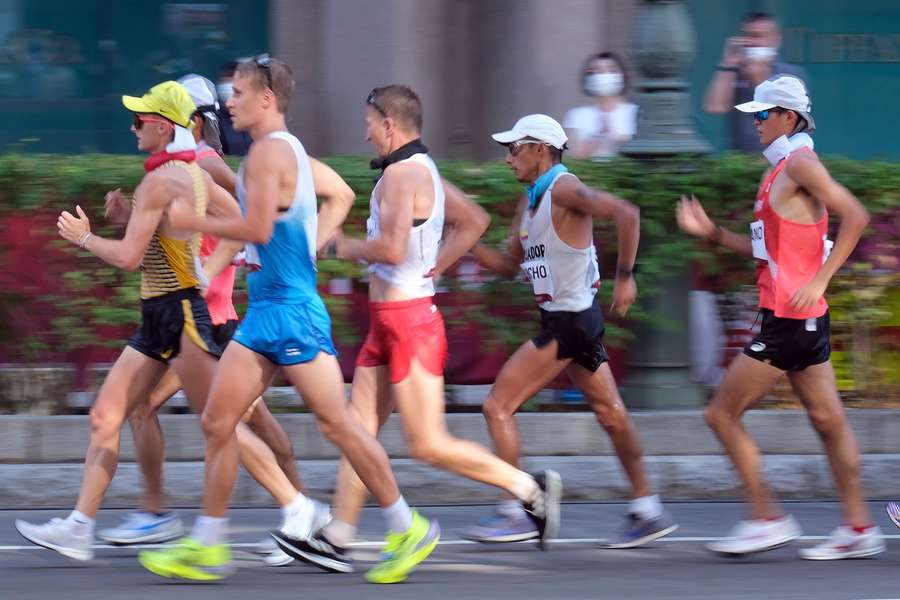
column 795, row 262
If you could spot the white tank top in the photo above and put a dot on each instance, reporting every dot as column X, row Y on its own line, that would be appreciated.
column 564, row 278
column 411, row 276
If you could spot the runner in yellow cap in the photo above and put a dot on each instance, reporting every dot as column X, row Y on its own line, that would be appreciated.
column 175, row 324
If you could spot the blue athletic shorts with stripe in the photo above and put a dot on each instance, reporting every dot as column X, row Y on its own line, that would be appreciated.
column 286, row 334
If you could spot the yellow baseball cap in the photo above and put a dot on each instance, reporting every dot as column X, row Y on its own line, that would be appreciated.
column 168, row 99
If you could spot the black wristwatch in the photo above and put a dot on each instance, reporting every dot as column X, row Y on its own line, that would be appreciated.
column 727, row 69
column 625, row 272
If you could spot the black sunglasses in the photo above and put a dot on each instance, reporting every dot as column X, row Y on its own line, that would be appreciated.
column 370, row 100
column 264, row 62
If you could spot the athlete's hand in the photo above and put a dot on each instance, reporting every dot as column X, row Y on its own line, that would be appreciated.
column 182, row 215
column 330, row 249
column 693, row 219
column 733, row 52
column 807, row 296
column 624, row 294
column 118, row 207
column 74, row 229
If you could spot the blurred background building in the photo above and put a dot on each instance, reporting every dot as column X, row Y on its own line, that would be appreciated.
column 478, row 64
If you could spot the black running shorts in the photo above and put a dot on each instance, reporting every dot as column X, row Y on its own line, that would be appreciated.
column 223, row 333
column 579, row 335
column 164, row 318
column 791, row 344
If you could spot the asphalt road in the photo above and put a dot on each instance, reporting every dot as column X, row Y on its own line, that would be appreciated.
column 677, row 568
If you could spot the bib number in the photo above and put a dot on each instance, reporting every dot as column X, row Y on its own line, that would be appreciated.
column 758, row 240
column 537, row 270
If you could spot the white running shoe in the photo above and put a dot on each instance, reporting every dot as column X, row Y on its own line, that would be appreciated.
column 757, row 536
column 141, row 527
column 57, row 534
column 271, row 554
column 844, row 542
column 304, row 523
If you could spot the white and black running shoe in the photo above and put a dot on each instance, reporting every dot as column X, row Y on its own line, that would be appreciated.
column 317, row 551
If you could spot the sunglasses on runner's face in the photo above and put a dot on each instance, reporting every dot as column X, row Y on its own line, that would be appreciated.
column 139, row 120
column 515, row 147
column 762, row 115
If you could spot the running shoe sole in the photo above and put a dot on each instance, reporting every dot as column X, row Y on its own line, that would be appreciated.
column 311, row 558
column 867, row 553
column 650, row 537
column 73, row 553
column 732, row 554
column 194, row 574
column 553, row 489
column 503, row 539
column 156, row 538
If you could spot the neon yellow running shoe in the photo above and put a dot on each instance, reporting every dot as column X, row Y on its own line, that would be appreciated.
column 189, row 559
column 403, row 551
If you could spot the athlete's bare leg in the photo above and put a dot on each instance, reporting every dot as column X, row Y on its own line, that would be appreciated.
column 420, row 402
column 320, row 384
column 815, row 386
column 602, row 394
column 149, row 446
column 371, row 403
column 745, row 382
column 528, row 370
column 243, row 376
column 128, row 384
column 264, row 424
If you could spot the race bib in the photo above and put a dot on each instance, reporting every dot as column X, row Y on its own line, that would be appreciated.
column 827, row 245
column 537, row 270
column 758, row 240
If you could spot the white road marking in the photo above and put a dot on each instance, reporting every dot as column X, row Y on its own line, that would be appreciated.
column 372, row 544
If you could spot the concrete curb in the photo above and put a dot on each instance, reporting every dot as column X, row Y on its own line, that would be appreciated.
column 43, row 456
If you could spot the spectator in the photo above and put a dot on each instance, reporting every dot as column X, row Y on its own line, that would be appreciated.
column 234, row 143
column 747, row 61
column 597, row 130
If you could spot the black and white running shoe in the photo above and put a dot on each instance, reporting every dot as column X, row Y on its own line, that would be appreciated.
column 544, row 509
column 317, row 551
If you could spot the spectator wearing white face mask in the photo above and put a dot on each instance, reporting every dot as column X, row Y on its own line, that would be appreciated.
column 597, row 130
column 747, row 61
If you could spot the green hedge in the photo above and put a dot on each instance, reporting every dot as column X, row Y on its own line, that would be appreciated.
column 864, row 296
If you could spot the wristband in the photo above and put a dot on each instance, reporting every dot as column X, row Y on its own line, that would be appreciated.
column 716, row 237
column 727, row 69
column 83, row 238
column 625, row 272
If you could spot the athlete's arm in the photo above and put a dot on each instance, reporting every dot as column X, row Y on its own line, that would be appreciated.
column 337, row 199
column 467, row 221
column 693, row 219
column 811, row 175
column 572, row 194
column 262, row 175
column 398, row 189
column 151, row 199
column 506, row 263
column 220, row 172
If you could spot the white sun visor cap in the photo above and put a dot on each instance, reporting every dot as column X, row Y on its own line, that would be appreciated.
column 539, row 127
column 202, row 92
column 784, row 91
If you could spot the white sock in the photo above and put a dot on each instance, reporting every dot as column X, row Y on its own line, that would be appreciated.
column 210, row 531
column 299, row 504
column 82, row 525
column 525, row 488
column 647, row 507
column 339, row 533
column 398, row 516
column 511, row 509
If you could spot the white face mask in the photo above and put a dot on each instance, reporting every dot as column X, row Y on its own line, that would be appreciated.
column 760, row 53
column 604, row 84
column 224, row 90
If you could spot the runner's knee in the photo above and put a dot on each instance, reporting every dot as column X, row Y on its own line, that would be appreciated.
column 105, row 423
column 428, row 449
column 826, row 421
column 494, row 410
